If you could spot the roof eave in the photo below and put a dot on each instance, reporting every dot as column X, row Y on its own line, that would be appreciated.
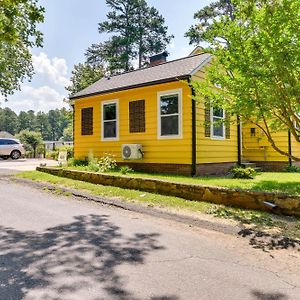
column 183, row 77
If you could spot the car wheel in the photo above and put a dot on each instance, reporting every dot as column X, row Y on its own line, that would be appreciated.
column 15, row 154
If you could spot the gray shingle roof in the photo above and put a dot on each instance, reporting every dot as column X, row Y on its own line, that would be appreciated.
column 167, row 71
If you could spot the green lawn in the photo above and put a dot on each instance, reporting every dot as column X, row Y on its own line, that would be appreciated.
column 287, row 226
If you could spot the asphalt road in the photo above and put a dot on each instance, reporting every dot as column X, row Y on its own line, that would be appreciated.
column 55, row 247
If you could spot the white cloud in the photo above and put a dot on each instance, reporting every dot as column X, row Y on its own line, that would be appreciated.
column 42, row 98
column 54, row 69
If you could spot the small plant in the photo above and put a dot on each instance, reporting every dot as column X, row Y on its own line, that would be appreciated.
column 93, row 163
column 292, row 169
column 244, row 173
column 125, row 170
column 107, row 163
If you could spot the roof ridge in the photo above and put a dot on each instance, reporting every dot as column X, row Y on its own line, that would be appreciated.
column 150, row 67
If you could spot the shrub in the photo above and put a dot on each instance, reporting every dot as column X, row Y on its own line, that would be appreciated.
column 107, row 163
column 77, row 162
column 92, row 163
column 68, row 148
column 126, row 169
column 244, row 173
column 292, row 169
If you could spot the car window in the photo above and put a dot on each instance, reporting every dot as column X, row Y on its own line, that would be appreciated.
column 8, row 142
column 12, row 142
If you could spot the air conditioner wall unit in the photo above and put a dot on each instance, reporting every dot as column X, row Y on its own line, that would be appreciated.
column 132, row 151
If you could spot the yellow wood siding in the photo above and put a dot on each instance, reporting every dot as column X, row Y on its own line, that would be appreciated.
column 211, row 150
column 295, row 147
column 177, row 151
column 257, row 148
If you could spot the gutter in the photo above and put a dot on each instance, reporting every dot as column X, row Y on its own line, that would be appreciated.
column 183, row 77
column 194, row 132
column 290, row 147
column 239, row 140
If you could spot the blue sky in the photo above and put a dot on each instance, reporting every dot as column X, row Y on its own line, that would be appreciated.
column 70, row 27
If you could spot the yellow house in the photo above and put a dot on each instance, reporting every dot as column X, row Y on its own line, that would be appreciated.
column 149, row 120
column 256, row 148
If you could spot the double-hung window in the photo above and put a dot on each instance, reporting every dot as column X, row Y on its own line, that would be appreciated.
column 110, row 130
column 169, row 114
column 217, row 123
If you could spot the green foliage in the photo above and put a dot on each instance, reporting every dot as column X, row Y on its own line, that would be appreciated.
column 206, row 18
column 138, row 32
column 30, row 139
column 8, row 121
column 243, row 173
column 292, row 169
column 257, row 48
column 84, row 75
column 18, row 33
column 54, row 125
column 72, row 162
column 125, row 170
column 107, row 163
column 68, row 148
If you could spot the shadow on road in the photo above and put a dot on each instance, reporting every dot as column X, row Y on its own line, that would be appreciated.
column 266, row 242
column 72, row 258
column 268, row 296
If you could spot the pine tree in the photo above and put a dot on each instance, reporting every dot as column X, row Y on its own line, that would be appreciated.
column 206, row 16
column 83, row 75
column 137, row 30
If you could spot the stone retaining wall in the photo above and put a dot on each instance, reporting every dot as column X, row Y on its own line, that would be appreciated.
column 285, row 204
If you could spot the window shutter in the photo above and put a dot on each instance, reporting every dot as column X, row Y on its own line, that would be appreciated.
column 87, row 121
column 207, row 119
column 227, row 125
column 137, row 116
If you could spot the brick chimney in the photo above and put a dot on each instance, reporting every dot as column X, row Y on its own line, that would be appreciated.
column 158, row 59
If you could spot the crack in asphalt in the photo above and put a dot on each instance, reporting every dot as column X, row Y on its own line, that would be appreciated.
column 293, row 286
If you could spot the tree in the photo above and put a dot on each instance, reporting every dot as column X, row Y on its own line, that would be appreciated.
column 18, row 33
column 83, row 75
column 42, row 125
column 68, row 133
column 26, row 120
column 30, row 138
column 206, row 18
column 8, row 120
column 257, row 64
column 138, row 31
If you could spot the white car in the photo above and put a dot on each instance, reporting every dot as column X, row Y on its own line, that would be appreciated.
column 11, row 148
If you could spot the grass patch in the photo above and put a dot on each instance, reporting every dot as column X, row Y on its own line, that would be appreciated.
column 266, row 181
column 286, row 226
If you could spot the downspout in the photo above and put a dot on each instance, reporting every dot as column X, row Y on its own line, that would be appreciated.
column 290, row 146
column 194, row 132
column 239, row 140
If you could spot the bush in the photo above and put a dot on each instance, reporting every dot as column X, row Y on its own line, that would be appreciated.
column 292, row 169
column 126, row 169
column 244, row 173
column 68, row 148
column 77, row 162
column 107, row 163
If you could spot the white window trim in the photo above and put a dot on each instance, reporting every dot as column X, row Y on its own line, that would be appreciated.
column 103, row 139
column 167, row 93
column 216, row 137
